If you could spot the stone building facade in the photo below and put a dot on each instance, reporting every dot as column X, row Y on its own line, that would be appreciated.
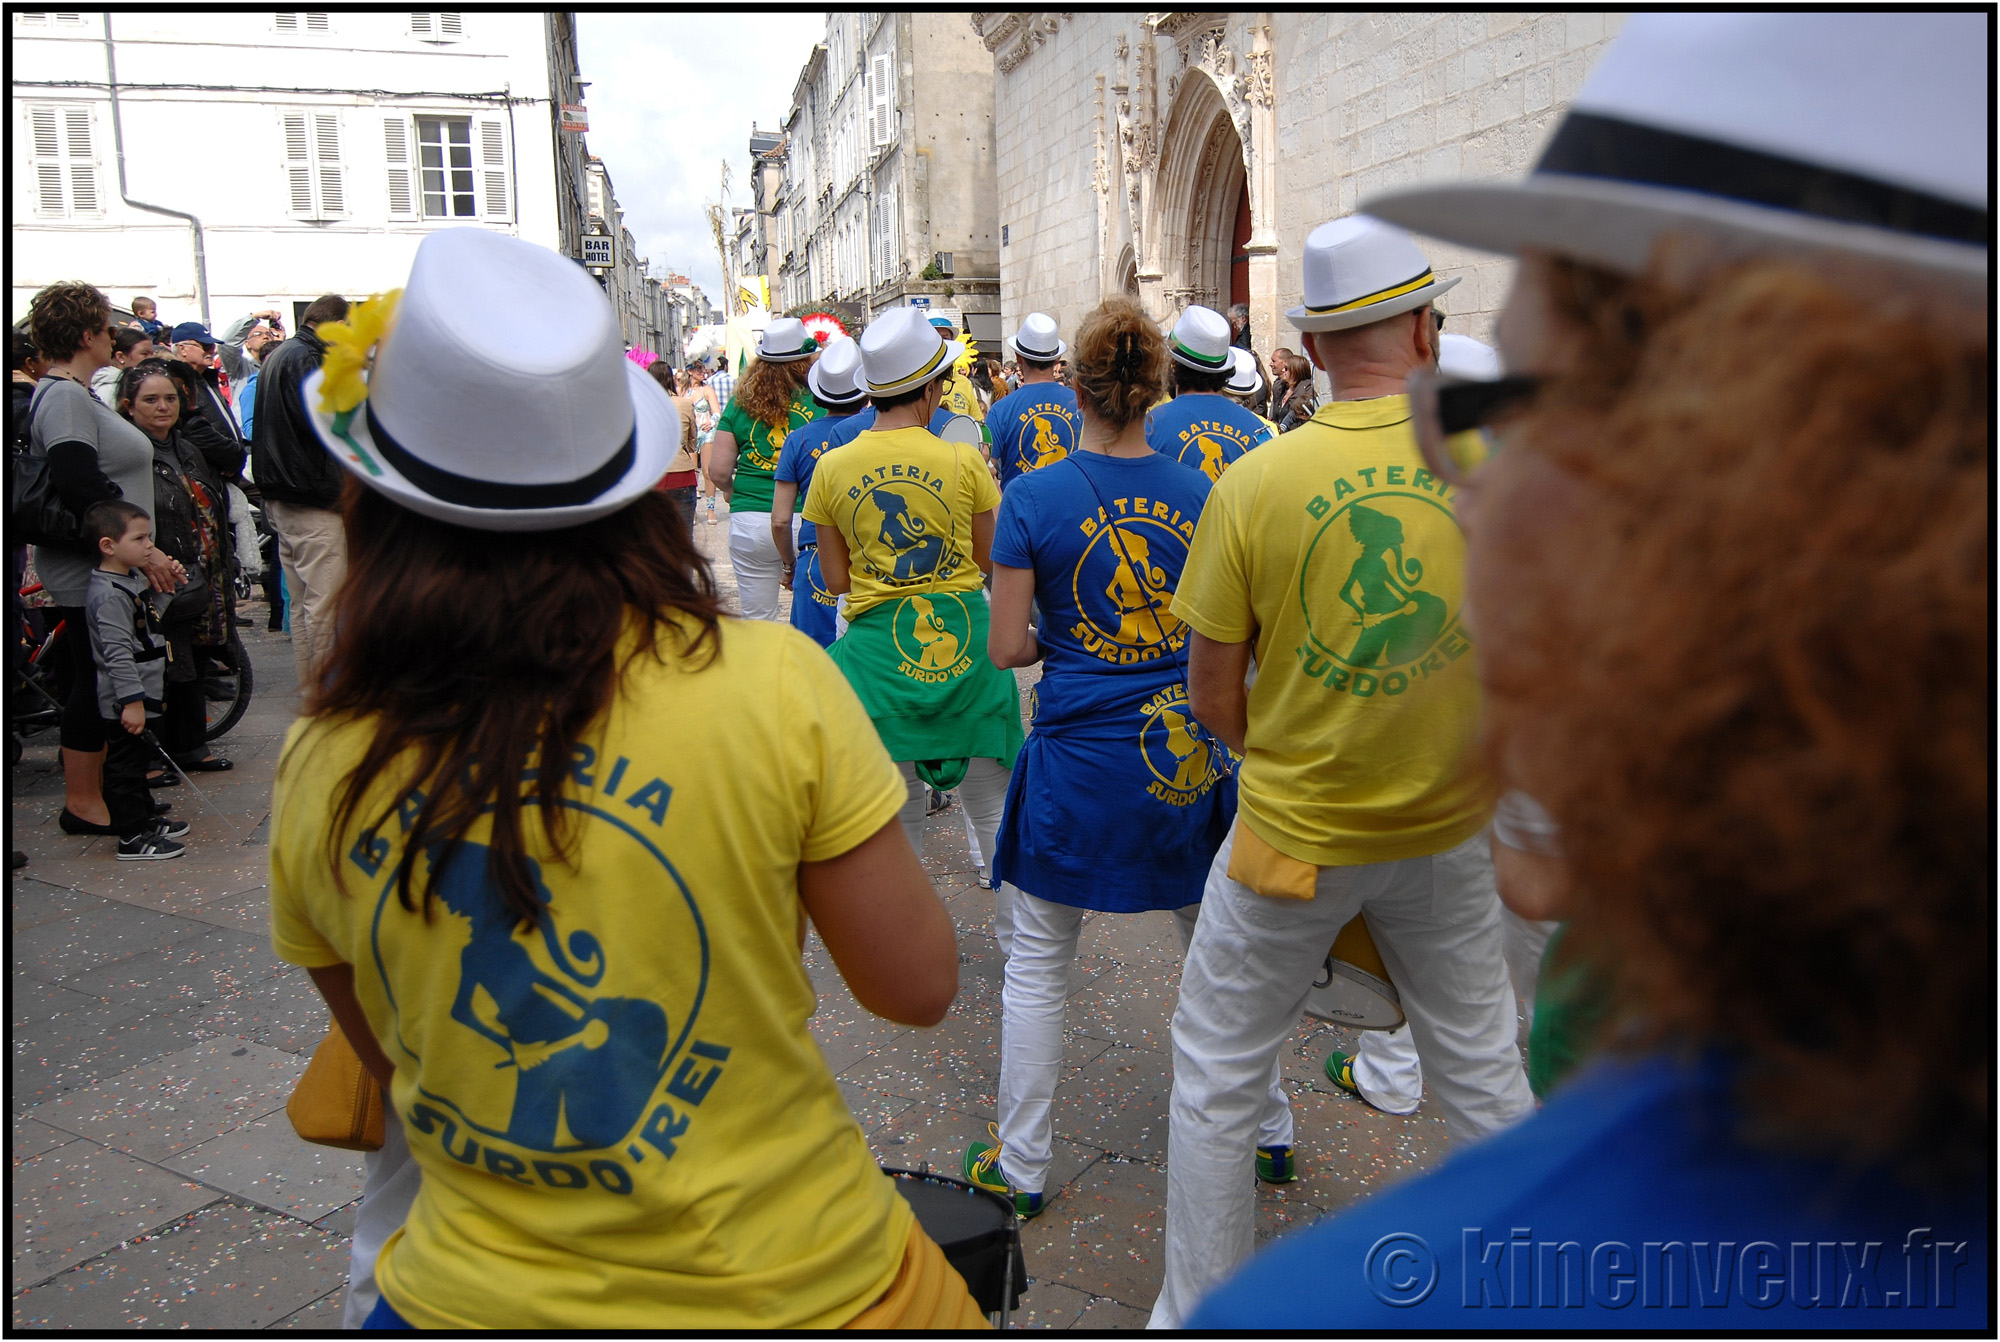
column 888, row 195
column 1183, row 157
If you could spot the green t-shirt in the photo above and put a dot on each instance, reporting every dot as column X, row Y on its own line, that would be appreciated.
column 757, row 448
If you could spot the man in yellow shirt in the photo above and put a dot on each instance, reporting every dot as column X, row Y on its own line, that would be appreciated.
column 1335, row 558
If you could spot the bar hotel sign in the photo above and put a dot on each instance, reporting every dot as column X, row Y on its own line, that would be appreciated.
column 599, row 250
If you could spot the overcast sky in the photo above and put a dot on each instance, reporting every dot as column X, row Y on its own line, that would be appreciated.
column 669, row 96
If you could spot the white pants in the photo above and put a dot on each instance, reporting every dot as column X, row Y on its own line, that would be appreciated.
column 983, row 794
column 753, row 553
column 1386, row 1068
column 1031, row 1028
column 1436, row 921
column 391, row 1186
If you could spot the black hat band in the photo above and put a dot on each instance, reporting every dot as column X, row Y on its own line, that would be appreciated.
column 1590, row 145
column 467, row 492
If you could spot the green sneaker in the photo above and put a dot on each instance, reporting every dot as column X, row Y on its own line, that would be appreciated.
column 982, row 1169
column 1340, row 1071
column 1275, row 1165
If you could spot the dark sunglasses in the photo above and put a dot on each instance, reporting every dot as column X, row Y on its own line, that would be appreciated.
column 1452, row 418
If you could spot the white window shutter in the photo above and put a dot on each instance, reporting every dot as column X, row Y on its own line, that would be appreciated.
column 317, row 20
column 420, row 23
column 492, row 168
column 882, row 102
column 287, row 23
column 396, row 150
column 35, row 20
column 47, row 143
column 49, row 188
column 298, row 164
column 326, row 155
column 82, row 163
column 451, row 24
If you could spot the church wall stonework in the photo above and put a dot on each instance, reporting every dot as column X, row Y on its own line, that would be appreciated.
column 1342, row 105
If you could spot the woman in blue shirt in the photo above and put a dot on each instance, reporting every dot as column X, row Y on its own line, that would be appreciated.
column 1119, row 797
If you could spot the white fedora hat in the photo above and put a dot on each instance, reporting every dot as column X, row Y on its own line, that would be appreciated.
column 1462, row 356
column 836, row 378
column 1200, row 340
column 785, row 340
column 1844, row 132
column 466, row 423
column 1037, row 339
column 1245, row 380
column 901, row 351
column 1359, row 271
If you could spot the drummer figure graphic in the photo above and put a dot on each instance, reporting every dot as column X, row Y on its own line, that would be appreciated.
column 1046, row 445
column 1397, row 621
column 584, row 1066
column 1140, row 591
column 916, row 546
column 940, row 645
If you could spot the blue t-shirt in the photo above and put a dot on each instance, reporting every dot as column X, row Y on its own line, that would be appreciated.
column 1035, row 426
column 1119, row 799
column 1205, row 431
column 803, row 448
column 1626, row 1204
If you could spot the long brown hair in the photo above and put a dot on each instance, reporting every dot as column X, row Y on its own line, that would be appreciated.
column 765, row 392
column 1752, row 683
column 474, row 653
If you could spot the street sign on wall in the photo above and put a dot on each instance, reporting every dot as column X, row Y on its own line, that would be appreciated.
column 599, row 251
column 920, row 300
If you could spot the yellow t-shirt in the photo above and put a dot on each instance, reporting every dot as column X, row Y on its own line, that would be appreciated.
column 905, row 500
column 1340, row 555
column 962, row 398
column 621, row 1119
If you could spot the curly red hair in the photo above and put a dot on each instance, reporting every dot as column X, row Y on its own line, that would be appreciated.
column 1756, row 690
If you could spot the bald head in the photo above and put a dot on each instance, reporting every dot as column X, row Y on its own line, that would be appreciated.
column 1376, row 359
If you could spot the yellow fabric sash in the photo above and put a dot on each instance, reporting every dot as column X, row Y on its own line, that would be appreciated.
column 928, row 1294
column 1266, row 870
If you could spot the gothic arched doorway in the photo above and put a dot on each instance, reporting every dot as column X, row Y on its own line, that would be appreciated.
column 1204, row 198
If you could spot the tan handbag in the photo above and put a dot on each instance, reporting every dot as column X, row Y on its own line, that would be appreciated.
column 336, row 1102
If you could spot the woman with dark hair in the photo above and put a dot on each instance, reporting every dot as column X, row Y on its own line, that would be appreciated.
column 1299, row 401
column 563, row 939
column 1729, row 561
column 769, row 403
column 679, row 481
column 190, row 523
column 92, row 455
column 1092, row 823
column 130, row 347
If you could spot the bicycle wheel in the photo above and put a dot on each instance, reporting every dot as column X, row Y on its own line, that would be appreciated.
column 226, row 683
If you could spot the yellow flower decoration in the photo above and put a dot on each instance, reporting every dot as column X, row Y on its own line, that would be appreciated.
column 350, row 351
column 970, row 357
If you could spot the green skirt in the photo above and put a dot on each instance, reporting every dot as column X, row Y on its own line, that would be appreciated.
column 919, row 665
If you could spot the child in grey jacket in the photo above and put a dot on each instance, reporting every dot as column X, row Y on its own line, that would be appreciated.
column 131, row 656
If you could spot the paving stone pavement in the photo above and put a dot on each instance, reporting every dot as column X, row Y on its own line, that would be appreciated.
column 155, row 1039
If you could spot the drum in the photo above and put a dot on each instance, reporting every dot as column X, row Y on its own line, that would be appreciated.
column 1353, row 987
column 977, row 1231
column 961, row 429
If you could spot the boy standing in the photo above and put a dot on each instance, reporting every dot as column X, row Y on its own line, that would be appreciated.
column 131, row 654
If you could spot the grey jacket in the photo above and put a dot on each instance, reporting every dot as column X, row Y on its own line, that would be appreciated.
column 125, row 640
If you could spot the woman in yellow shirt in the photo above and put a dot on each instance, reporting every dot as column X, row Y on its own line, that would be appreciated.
column 905, row 524
column 565, row 942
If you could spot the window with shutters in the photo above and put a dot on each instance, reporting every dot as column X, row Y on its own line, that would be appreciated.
column 492, row 168
column 63, row 161
column 444, row 158
column 304, row 21
column 437, row 26
column 882, row 99
column 313, row 180
column 49, row 19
